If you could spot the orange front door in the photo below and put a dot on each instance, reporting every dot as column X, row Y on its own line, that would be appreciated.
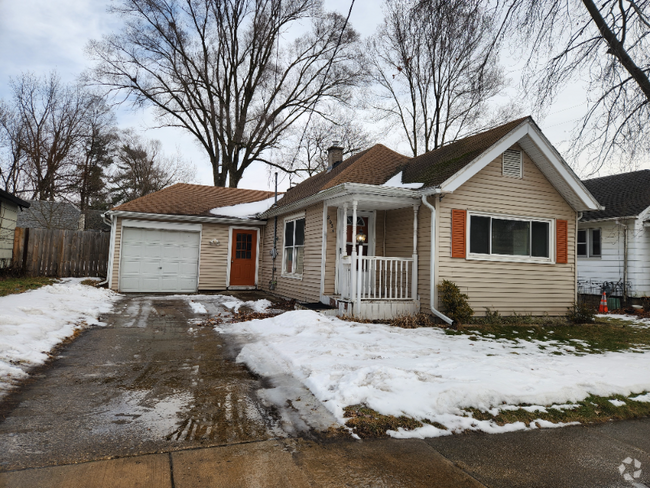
column 243, row 258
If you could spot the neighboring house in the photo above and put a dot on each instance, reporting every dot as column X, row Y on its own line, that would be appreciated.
column 372, row 236
column 51, row 215
column 187, row 238
column 94, row 220
column 614, row 243
column 496, row 213
column 10, row 207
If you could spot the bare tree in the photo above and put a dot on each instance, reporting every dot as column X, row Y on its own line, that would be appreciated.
column 43, row 128
column 224, row 71
column 304, row 150
column 434, row 69
column 12, row 154
column 608, row 45
column 140, row 168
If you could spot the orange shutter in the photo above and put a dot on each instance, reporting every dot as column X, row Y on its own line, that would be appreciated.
column 562, row 241
column 458, row 225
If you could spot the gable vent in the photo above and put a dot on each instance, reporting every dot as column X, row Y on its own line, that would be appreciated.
column 512, row 163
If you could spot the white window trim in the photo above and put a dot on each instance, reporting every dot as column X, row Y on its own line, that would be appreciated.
column 507, row 257
column 589, row 255
column 292, row 218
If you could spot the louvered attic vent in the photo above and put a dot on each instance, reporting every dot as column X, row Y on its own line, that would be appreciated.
column 512, row 163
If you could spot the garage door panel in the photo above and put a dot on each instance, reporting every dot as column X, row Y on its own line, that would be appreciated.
column 154, row 260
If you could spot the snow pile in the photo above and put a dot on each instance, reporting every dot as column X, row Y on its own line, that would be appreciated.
column 255, row 305
column 244, row 210
column 197, row 307
column 427, row 374
column 396, row 182
column 32, row 323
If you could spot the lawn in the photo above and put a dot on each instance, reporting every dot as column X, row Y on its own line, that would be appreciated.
column 9, row 286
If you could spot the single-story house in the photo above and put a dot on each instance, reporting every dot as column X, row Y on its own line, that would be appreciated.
column 496, row 213
column 372, row 236
column 9, row 205
column 187, row 238
column 614, row 243
column 43, row 214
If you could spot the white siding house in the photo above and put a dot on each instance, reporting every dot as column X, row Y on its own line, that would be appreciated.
column 614, row 244
column 10, row 205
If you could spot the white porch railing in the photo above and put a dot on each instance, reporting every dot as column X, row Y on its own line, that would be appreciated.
column 379, row 278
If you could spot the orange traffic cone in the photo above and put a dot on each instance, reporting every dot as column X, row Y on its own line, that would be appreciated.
column 603, row 304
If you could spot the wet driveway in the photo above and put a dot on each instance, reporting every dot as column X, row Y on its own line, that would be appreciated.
column 152, row 380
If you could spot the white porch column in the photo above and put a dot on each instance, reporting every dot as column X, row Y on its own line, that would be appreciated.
column 414, row 274
column 353, row 263
column 345, row 229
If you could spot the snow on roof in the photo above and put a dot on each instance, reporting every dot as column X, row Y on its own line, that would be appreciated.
column 244, row 210
column 396, row 182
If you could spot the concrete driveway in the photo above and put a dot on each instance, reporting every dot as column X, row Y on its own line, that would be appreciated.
column 154, row 400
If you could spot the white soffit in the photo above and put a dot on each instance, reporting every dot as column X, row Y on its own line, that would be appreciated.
column 545, row 158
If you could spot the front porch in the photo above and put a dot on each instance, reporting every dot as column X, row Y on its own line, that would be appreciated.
column 374, row 256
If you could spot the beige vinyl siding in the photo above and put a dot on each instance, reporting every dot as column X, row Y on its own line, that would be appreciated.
column 214, row 261
column 509, row 287
column 330, row 251
column 307, row 288
column 8, row 216
column 424, row 255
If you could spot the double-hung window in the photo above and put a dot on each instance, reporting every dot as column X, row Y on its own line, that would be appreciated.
column 495, row 237
column 589, row 243
column 294, row 247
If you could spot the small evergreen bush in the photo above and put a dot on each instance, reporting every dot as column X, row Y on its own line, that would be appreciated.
column 454, row 302
column 581, row 313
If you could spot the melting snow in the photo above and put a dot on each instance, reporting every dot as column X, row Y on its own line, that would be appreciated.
column 396, row 182
column 244, row 210
column 427, row 374
column 32, row 323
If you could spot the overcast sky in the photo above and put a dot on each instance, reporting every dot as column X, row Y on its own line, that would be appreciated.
column 45, row 35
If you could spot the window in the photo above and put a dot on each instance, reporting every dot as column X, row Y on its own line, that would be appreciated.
column 499, row 236
column 512, row 163
column 589, row 243
column 294, row 247
column 362, row 228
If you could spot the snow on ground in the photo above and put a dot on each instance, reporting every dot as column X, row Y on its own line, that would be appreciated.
column 32, row 323
column 196, row 306
column 427, row 374
column 255, row 305
column 244, row 210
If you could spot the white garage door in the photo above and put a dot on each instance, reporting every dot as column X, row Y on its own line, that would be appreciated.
column 155, row 260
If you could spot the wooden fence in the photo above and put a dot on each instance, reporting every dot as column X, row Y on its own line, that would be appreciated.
column 61, row 253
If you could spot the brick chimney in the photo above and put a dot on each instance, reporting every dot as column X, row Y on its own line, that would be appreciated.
column 334, row 155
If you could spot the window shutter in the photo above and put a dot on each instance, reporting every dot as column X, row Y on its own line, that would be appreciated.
column 562, row 244
column 458, row 227
column 512, row 163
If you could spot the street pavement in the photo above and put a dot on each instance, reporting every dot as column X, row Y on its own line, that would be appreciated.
column 155, row 400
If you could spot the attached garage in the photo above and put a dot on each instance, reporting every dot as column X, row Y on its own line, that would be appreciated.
column 187, row 238
column 159, row 260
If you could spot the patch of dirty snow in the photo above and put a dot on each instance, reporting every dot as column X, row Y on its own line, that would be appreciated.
column 255, row 305
column 32, row 323
column 197, row 307
column 425, row 373
column 617, row 403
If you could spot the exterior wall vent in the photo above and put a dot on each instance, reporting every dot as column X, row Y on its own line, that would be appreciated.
column 513, row 163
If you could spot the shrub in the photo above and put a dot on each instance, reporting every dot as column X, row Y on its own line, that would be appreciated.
column 580, row 313
column 492, row 318
column 454, row 302
column 413, row 321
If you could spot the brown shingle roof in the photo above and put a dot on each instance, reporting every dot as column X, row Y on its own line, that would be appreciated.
column 186, row 199
column 373, row 166
column 435, row 167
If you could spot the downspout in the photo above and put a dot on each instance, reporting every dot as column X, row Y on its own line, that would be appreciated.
column 274, row 250
column 432, row 262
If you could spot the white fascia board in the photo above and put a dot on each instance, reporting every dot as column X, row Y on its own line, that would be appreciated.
column 183, row 218
column 162, row 225
column 526, row 128
column 489, row 155
column 563, row 168
column 344, row 189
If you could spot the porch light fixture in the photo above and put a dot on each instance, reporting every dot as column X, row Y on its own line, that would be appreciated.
column 361, row 238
